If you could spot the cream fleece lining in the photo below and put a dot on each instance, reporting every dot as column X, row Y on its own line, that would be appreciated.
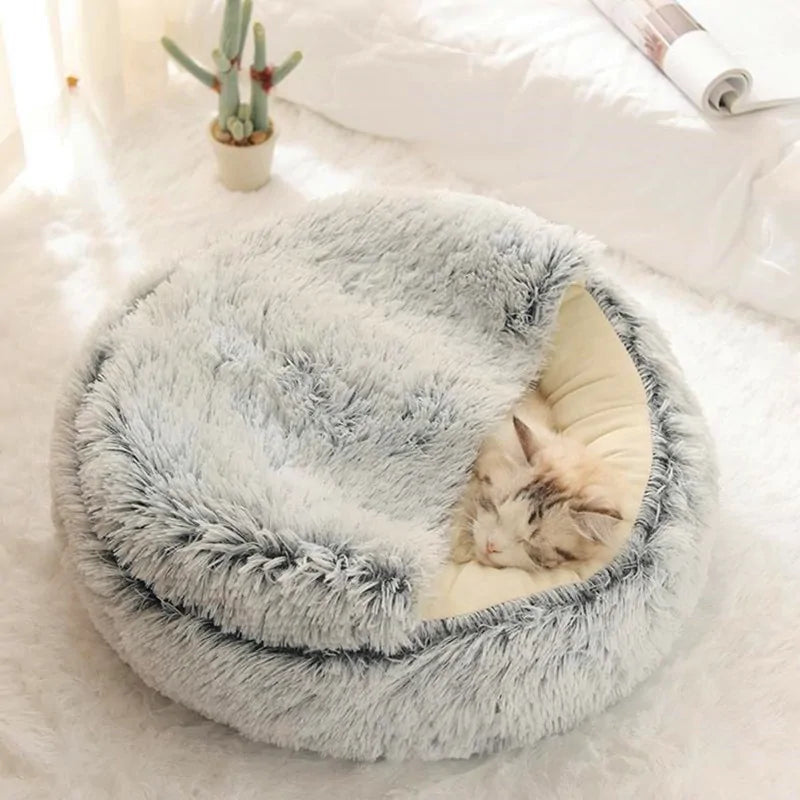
column 597, row 397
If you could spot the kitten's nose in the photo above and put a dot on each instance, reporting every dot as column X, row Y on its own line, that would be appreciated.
column 492, row 548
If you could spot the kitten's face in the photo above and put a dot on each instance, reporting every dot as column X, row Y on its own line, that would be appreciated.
column 536, row 527
column 545, row 511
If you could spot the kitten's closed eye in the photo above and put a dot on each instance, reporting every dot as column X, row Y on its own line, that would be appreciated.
column 486, row 504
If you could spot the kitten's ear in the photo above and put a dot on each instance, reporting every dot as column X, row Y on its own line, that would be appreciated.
column 528, row 440
column 595, row 522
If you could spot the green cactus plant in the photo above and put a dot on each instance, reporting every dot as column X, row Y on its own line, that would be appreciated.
column 263, row 78
column 237, row 122
column 240, row 127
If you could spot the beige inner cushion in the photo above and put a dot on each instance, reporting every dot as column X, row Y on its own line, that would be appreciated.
column 597, row 397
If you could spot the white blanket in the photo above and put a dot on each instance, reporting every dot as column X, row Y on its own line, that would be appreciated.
column 719, row 719
column 545, row 104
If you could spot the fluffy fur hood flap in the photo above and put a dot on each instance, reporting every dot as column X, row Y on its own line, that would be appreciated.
column 272, row 437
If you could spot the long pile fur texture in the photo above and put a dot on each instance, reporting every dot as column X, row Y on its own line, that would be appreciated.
column 255, row 462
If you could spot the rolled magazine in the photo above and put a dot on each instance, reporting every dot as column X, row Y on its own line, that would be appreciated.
column 716, row 81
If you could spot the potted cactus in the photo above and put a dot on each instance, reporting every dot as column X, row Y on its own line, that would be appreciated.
column 242, row 134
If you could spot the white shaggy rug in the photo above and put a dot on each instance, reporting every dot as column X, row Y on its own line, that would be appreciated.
column 720, row 719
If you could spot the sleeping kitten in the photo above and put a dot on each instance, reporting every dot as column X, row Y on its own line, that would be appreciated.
column 537, row 499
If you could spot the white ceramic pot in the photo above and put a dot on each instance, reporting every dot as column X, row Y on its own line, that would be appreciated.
column 244, row 169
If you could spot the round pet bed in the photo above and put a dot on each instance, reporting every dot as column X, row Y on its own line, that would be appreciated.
column 256, row 462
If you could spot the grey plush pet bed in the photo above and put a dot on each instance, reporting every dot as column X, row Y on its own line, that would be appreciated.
column 255, row 463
